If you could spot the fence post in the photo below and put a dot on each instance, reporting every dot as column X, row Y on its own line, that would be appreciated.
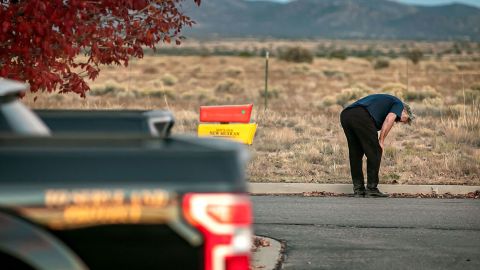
column 408, row 81
column 266, row 80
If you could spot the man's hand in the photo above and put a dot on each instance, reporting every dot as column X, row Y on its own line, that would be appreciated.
column 382, row 146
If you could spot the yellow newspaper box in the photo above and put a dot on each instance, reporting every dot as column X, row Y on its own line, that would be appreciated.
column 243, row 133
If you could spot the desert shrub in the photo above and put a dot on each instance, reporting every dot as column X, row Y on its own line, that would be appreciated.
column 229, row 87
column 475, row 87
column 352, row 94
column 299, row 69
column 456, row 48
column 296, row 55
column 415, row 56
column 194, row 70
column 334, row 109
column 313, row 156
column 400, row 90
column 334, row 74
column 110, row 88
column 468, row 96
column 431, row 107
column 419, row 95
column 271, row 93
column 246, row 54
column 455, row 111
column 342, row 53
column 189, row 95
column 321, row 51
column 169, row 79
column 158, row 93
column 328, row 101
column 234, row 71
column 150, row 70
column 396, row 89
column 329, row 149
column 390, row 154
column 155, row 84
column 381, row 64
column 338, row 54
column 463, row 66
column 434, row 102
column 391, row 177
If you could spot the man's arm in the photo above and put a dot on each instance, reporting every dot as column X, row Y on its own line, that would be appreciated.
column 387, row 125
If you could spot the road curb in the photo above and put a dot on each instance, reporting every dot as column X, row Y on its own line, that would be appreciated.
column 300, row 188
column 267, row 257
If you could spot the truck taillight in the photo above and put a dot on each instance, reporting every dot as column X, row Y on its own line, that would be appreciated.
column 225, row 221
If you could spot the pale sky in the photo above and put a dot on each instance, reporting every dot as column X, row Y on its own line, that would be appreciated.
column 423, row 2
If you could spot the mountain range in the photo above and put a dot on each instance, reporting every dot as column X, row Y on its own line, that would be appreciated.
column 342, row 19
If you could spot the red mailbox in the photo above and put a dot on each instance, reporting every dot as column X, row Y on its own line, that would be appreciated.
column 226, row 114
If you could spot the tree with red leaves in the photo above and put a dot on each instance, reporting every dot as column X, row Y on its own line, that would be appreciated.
column 41, row 41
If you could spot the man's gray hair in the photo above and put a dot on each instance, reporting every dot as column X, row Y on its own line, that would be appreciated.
column 411, row 115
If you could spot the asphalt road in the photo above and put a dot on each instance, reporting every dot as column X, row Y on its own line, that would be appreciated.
column 361, row 233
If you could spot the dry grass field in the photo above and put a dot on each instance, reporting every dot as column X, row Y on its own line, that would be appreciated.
column 299, row 137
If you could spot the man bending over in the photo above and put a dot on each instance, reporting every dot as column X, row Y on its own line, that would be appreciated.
column 360, row 121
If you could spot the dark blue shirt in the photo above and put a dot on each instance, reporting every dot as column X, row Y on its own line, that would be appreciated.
column 379, row 106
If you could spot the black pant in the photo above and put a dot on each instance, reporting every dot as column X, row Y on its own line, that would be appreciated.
column 362, row 139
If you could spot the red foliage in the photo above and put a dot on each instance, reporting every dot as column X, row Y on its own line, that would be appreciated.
column 40, row 40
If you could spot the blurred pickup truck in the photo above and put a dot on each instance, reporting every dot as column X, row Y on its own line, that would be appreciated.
column 155, row 122
column 117, row 200
column 134, row 122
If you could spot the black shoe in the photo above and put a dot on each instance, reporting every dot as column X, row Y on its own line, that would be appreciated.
column 358, row 194
column 374, row 193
